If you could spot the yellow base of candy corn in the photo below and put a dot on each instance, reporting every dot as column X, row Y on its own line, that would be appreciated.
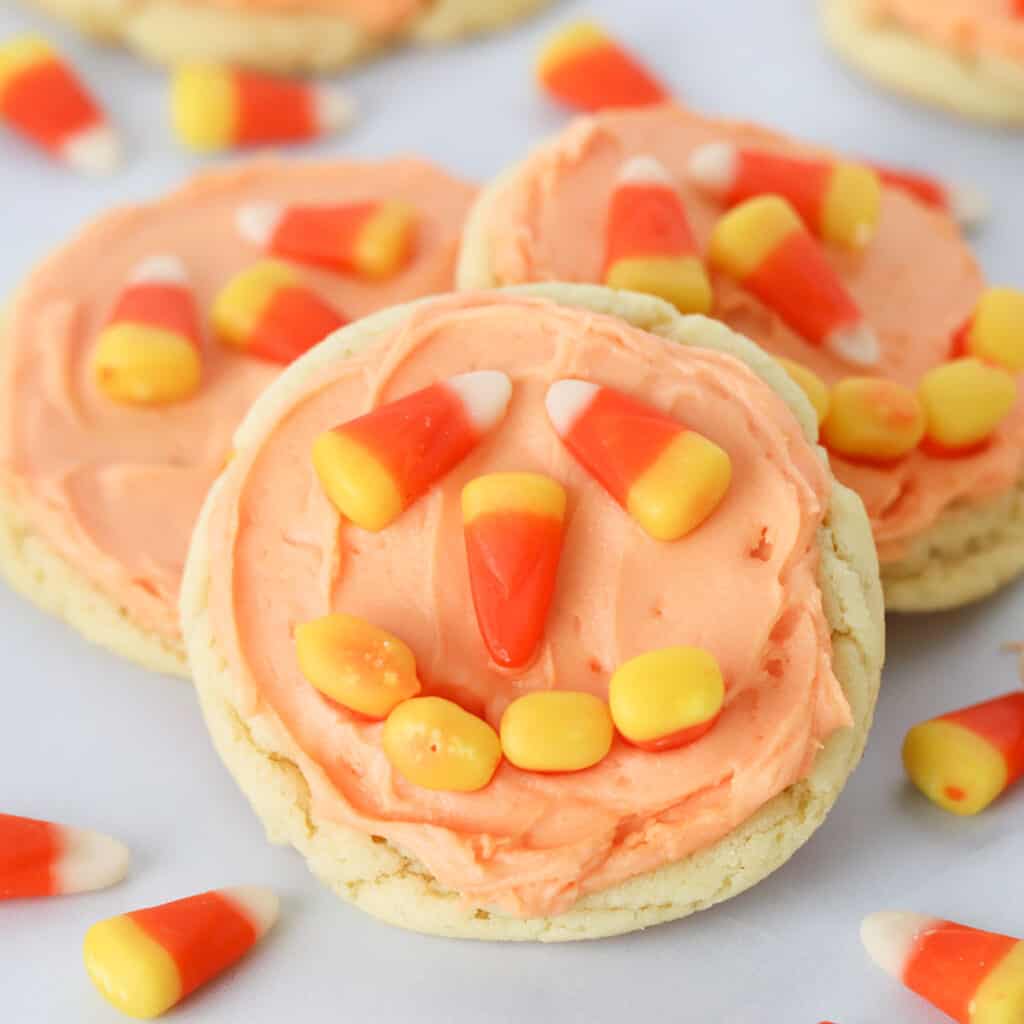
column 1000, row 997
column 204, row 109
column 359, row 487
column 145, row 365
column 385, row 242
column 852, row 206
column 683, row 282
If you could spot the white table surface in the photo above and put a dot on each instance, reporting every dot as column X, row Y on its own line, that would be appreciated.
column 87, row 739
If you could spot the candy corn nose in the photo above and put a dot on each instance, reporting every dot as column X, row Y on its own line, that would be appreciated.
column 889, row 937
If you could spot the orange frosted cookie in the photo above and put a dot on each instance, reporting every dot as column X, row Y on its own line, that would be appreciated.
column 964, row 55
column 132, row 353
column 535, row 614
column 870, row 297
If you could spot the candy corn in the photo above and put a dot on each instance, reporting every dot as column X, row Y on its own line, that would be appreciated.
column 39, row 858
column 964, row 402
column 149, row 350
column 215, row 108
column 556, row 731
column 371, row 239
column 839, row 202
column 964, row 760
column 995, row 331
column 649, row 246
column 668, row 478
column 584, row 68
column 972, row 976
column 268, row 312
column 374, row 467
column 810, row 384
column 513, row 528
column 43, row 99
column 873, row 419
column 147, row 961
column 763, row 244
column 964, row 203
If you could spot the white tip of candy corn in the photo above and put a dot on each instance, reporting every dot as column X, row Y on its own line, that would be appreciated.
column 889, row 936
column 89, row 860
column 566, row 401
column 713, row 166
column 259, row 905
column 96, row 151
column 644, row 170
column 257, row 222
column 485, row 395
column 164, row 269
column 857, row 345
column 335, row 111
column 968, row 204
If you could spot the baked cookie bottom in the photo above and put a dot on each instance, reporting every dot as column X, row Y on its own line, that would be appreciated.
column 988, row 89
column 377, row 877
column 175, row 31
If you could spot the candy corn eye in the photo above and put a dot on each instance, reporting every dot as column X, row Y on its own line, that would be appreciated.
column 374, row 467
column 668, row 478
column 873, row 419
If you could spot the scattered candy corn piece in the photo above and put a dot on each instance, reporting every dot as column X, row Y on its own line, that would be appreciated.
column 762, row 244
column 964, row 760
column 513, row 529
column 649, row 245
column 964, row 203
column 811, row 384
column 374, row 467
column 435, row 744
column 667, row 698
column 373, row 239
column 839, row 202
column 972, row 976
column 668, row 478
column 268, row 312
column 964, row 402
column 556, row 731
column 147, row 961
column 584, row 68
column 873, row 419
column 149, row 352
column 361, row 667
column 995, row 331
column 39, row 858
column 43, row 99
column 215, row 108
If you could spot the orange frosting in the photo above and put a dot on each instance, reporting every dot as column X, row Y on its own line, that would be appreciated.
column 115, row 489
column 744, row 586
column 968, row 27
column 917, row 283
column 378, row 17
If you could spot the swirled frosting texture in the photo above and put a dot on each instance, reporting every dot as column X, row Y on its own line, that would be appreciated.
column 916, row 282
column 744, row 585
column 116, row 489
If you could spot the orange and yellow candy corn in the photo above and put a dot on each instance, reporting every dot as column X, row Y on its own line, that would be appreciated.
column 667, row 698
column 649, row 245
column 964, row 760
column 762, row 244
column 216, row 108
column 372, row 239
column 972, row 976
column 374, row 467
column 964, row 203
column 149, row 352
column 435, row 744
column 668, row 478
column 361, row 667
column 873, row 419
column 556, row 731
column 584, row 68
column 513, row 529
column 810, row 384
column 839, row 202
column 39, row 858
column 147, row 961
column 995, row 331
column 43, row 100
column 964, row 402
column 268, row 312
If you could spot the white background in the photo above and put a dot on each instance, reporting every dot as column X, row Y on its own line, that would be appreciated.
column 87, row 739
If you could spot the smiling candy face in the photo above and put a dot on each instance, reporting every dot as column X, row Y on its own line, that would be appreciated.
column 743, row 585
